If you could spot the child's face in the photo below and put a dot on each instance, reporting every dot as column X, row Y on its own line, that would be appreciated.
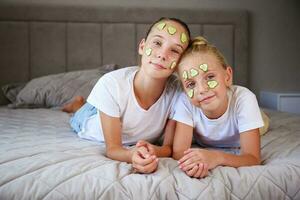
column 163, row 48
column 205, row 81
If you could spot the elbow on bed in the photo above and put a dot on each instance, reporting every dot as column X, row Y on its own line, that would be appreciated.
column 176, row 155
column 255, row 160
column 110, row 153
column 258, row 161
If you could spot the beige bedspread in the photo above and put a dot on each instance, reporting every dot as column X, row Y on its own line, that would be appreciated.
column 41, row 158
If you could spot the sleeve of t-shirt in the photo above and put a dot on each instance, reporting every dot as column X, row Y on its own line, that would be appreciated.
column 104, row 96
column 248, row 113
column 175, row 98
column 183, row 110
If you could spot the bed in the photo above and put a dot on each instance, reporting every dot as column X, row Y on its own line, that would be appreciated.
column 41, row 158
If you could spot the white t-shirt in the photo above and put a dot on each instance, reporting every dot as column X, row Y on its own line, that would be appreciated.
column 114, row 95
column 242, row 114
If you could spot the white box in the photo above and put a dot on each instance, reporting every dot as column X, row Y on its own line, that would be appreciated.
column 286, row 102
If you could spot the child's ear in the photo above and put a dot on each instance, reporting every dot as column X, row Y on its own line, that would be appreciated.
column 141, row 46
column 228, row 79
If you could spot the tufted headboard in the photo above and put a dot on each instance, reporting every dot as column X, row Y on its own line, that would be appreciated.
column 37, row 40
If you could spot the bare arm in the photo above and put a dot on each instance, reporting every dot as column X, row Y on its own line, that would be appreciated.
column 166, row 149
column 112, row 134
column 250, row 151
column 250, row 154
column 182, row 139
column 140, row 158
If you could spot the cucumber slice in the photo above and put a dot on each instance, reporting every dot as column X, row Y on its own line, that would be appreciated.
column 161, row 26
column 184, row 75
column 148, row 51
column 194, row 72
column 183, row 38
column 203, row 67
column 212, row 84
column 171, row 30
column 190, row 93
column 173, row 64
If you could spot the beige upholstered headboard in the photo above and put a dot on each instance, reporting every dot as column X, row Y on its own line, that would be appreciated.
column 37, row 40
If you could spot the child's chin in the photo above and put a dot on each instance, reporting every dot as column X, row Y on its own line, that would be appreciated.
column 208, row 107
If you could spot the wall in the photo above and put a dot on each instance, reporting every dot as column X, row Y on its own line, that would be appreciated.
column 274, row 35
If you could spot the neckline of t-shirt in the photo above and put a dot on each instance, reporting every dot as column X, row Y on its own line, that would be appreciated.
column 224, row 116
column 134, row 97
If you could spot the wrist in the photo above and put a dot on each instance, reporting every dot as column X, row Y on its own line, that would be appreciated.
column 155, row 150
column 130, row 153
column 220, row 157
column 163, row 151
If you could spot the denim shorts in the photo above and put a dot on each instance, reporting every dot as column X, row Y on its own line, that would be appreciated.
column 80, row 117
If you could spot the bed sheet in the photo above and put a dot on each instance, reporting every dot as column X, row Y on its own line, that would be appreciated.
column 41, row 158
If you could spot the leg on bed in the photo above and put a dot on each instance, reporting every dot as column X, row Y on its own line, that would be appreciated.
column 74, row 105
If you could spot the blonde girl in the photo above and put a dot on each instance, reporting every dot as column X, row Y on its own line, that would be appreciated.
column 224, row 118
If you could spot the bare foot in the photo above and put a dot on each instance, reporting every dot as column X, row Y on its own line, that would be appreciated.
column 74, row 105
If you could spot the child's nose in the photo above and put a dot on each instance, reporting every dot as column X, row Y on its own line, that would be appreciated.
column 202, row 87
column 162, row 54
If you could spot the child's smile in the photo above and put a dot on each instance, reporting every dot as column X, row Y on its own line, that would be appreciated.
column 158, row 66
column 205, row 99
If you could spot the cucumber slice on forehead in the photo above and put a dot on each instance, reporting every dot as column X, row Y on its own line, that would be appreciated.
column 183, row 38
column 203, row 67
column 161, row 26
column 194, row 72
column 171, row 30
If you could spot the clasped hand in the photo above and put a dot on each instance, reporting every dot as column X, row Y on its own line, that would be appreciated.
column 144, row 159
column 196, row 162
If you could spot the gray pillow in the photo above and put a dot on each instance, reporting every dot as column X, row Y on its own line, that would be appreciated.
column 58, row 89
column 11, row 91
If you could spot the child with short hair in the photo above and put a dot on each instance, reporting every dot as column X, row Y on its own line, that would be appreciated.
column 132, row 105
column 223, row 117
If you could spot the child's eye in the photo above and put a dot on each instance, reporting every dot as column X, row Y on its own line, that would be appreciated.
column 190, row 85
column 157, row 43
column 175, row 51
column 210, row 76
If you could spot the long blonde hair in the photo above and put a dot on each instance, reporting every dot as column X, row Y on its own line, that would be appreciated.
column 201, row 45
